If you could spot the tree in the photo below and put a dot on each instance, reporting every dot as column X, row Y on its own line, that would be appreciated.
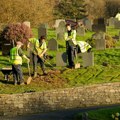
column 16, row 32
column 72, row 9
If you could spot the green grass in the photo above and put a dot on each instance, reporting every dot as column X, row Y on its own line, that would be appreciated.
column 101, row 114
column 68, row 77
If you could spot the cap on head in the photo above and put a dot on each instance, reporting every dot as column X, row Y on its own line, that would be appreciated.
column 19, row 43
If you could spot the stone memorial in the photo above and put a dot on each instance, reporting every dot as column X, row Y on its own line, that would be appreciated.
column 27, row 23
column 88, row 59
column 112, row 21
column 42, row 31
column 6, row 48
column 61, row 59
column 60, row 36
column 81, row 31
column 117, row 24
column 100, row 40
column 88, row 24
column 52, row 44
column 61, row 28
column 99, row 25
column 57, row 22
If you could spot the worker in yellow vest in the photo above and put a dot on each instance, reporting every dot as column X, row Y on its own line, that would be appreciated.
column 33, row 45
column 38, row 49
column 41, row 53
column 16, row 55
column 70, row 38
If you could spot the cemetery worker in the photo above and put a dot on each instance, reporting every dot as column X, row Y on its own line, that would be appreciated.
column 33, row 45
column 83, row 46
column 41, row 53
column 70, row 38
column 16, row 55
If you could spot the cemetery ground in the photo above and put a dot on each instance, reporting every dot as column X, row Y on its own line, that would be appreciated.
column 105, row 70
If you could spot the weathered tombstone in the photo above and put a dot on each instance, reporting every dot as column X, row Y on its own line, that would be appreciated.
column 112, row 21
column 99, row 25
column 88, row 24
column 100, row 40
column 81, row 31
column 27, row 23
column 6, row 48
column 52, row 44
column 61, row 27
column 57, row 22
column 61, row 59
column 88, row 59
column 117, row 24
column 42, row 31
column 60, row 36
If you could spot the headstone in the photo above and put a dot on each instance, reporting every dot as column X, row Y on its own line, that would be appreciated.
column 27, row 23
column 61, row 59
column 100, row 40
column 60, row 36
column 88, row 59
column 61, row 27
column 6, row 48
column 42, row 31
column 99, row 25
column 117, row 24
column 81, row 31
column 88, row 24
column 52, row 44
column 57, row 22
column 112, row 21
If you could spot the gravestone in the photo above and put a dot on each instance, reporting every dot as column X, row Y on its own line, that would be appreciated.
column 88, row 59
column 99, row 25
column 81, row 31
column 60, row 36
column 100, row 43
column 117, row 24
column 57, row 22
column 42, row 31
column 27, row 23
column 112, row 21
column 61, row 28
column 61, row 59
column 6, row 48
column 88, row 24
column 52, row 44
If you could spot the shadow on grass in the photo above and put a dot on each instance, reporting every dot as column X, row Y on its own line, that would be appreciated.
column 6, row 82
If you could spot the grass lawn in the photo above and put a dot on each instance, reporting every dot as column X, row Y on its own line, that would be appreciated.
column 61, row 77
column 101, row 114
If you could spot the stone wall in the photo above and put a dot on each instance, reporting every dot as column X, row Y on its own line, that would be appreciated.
column 78, row 97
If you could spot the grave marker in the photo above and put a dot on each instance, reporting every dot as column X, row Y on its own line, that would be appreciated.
column 52, row 44
column 61, row 59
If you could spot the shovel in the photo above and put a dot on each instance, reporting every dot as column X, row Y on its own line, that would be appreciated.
column 29, row 78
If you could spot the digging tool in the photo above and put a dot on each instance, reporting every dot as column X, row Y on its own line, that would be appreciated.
column 77, row 65
column 29, row 78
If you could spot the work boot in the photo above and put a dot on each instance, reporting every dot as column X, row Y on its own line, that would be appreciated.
column 35, row 75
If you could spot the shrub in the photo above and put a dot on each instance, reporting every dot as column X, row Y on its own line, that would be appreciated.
column 16, row 32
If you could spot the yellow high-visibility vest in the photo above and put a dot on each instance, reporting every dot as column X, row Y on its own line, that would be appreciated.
column 14, row 57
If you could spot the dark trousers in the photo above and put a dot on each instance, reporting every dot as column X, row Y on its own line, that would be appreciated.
column 17, row 73
column 36, row 59
column 70, row 49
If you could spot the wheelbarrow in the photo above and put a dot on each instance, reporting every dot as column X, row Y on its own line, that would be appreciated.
column 6, row 72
